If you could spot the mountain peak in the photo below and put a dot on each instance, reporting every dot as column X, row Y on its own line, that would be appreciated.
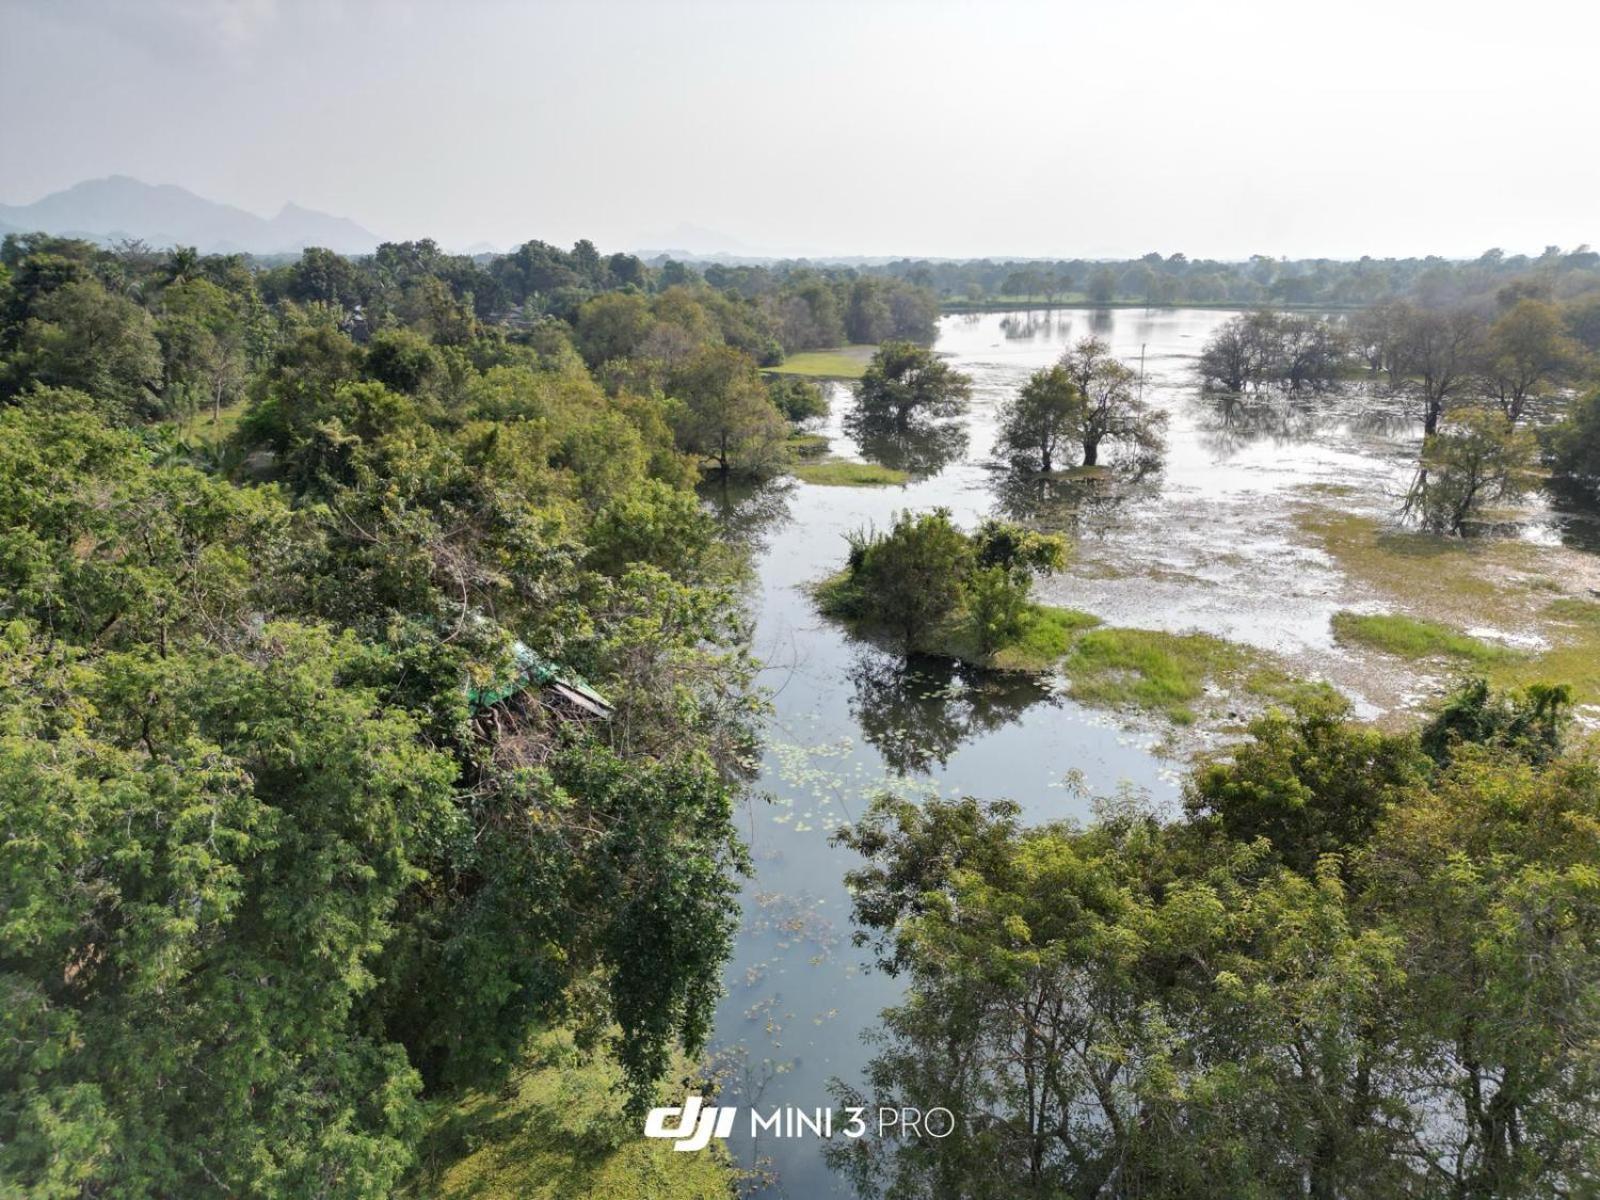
column 120, row 206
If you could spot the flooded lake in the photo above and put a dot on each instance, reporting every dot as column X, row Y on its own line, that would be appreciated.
column 1208, row 543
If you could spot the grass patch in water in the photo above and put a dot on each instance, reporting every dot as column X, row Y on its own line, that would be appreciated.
column 1079, row 474
column 842, row 362
column 1167, row 673
column 1047, row 631
column 809, row 445
column 556, row 1132
column 1413, row 637
column 1047, row 634
column 849, row 474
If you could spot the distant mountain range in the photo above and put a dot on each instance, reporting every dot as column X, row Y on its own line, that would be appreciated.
column 109, row 210
column 122, row 208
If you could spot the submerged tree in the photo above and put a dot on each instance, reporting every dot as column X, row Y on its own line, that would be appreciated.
column 1038, row 419
column 1310, row 350
column 1257, row 348
column 1112, row 411
column 909, row 577
column 1232, row 357
column 1477, row 458
column 798, row 399
column 1437, row 350
column 1575, row 445
column 907, row 383
column 913, row 577
column 1525, row 352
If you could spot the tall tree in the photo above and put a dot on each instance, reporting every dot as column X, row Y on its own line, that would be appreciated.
column 202, row 335
column 725, row 414
column 1437, row 350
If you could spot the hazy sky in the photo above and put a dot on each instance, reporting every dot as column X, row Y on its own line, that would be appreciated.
column 1098, row 129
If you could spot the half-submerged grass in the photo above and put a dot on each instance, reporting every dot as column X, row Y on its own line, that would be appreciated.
column 1414, row 637
column 1167, row 673
column 1145, row 669
column 808, row 445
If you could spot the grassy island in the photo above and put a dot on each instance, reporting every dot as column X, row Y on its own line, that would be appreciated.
column 927, row 587
column 841, row 473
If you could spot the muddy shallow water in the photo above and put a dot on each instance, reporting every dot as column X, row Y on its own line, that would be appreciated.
column 1209, row 543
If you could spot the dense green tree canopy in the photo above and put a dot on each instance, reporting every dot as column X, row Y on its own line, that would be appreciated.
column 268, row 873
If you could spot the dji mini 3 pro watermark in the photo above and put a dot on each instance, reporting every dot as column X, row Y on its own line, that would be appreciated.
column 695, row 1123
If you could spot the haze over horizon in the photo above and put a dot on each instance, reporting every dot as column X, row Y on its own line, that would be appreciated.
column 945, row 129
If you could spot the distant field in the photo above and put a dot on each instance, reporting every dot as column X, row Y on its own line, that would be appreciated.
column 842, row 362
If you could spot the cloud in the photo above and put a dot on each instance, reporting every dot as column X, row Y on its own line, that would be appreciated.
column 165, row 27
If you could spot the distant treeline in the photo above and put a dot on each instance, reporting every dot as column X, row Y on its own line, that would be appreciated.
column 1178, row 279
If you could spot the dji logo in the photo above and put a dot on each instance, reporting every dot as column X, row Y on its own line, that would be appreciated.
column 695, row 1127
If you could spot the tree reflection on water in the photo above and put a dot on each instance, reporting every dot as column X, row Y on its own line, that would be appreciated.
column 749, row 512
column 1063, row 503
column 921, row 451
column 917, row 712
